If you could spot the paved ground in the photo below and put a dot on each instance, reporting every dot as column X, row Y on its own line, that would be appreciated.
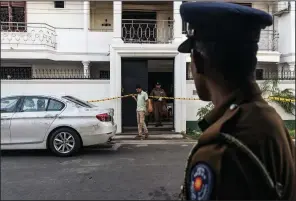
column 133, row 171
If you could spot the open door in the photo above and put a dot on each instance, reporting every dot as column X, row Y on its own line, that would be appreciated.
column 133, row 72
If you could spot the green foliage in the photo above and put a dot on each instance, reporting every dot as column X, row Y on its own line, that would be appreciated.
column 203, row 111
column 270, row 88
column 292, row 133
column 193, row 134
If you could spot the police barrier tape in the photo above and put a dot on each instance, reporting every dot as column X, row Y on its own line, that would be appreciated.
column 176, row 98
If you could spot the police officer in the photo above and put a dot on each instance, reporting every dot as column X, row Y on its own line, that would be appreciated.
column 245, row 151
column 158, row 103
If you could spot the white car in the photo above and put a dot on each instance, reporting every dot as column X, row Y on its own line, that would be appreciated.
column 61, row 124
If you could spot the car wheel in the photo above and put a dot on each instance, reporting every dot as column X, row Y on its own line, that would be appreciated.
column 64, row 142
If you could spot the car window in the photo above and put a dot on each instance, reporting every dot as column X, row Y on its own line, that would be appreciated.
column 34, row 104
column 9, row 104
column 55, row 105
column 78, row 101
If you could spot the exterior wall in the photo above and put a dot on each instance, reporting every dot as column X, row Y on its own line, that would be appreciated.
column 76, row 32
column 44, row 12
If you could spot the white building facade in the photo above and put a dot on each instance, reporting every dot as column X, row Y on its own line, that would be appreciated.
column 82, row 48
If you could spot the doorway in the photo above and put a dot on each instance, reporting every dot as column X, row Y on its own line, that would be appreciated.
column 147, row 72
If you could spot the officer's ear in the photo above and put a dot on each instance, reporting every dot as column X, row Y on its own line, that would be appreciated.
column 199, row 61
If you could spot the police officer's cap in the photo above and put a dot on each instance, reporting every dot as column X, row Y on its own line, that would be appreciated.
column 157, row 83
column 222, row 22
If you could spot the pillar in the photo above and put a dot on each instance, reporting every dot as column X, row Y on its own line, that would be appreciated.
column 117, row 20
column 180, row 91
column 86, row 69
column 86, row 22
column 177, row 22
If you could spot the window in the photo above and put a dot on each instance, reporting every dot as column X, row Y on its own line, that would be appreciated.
column 59, row 4
column 16, row 73
column 34, row 104
column 79, row 102
column 9, row 104
column 13, row 15
column 55, row 105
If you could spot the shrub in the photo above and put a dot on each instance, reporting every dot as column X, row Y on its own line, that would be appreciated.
column 292, row 133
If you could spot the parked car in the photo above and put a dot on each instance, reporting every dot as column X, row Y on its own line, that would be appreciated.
column 61, row 124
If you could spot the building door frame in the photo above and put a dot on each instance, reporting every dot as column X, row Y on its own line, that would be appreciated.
column 119, row 51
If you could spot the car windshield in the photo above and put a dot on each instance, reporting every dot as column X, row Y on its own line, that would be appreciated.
column 78, row 101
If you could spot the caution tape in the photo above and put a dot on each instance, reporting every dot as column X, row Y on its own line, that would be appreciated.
column 106, row 99
column 281, row 99
column 176, row 98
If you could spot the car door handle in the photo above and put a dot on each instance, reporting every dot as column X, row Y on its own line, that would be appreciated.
column 49, row 116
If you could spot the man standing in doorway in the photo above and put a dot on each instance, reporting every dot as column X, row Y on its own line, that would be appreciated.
column 142, row 100
column 158, row 103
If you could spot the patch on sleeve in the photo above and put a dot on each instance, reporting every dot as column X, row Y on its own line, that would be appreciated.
column 201, row 182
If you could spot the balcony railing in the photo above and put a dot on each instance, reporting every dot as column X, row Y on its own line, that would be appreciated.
column 19, row 33
column 261, row 74
column 147, row 31
column 275, row 75
column 27, row 73
column 268, row 40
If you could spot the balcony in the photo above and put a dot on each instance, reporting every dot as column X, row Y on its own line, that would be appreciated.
column 36, row 36
column 147, row 31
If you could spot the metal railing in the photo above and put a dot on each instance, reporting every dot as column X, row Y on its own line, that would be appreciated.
column 147, row 31
column 275, row 75
column 261, row 74
column 21, row 33
column 27, row 73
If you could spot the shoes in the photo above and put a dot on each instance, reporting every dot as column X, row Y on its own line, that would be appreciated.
column 146, row 135
column 139, row 137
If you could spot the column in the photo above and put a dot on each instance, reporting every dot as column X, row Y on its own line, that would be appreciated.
column 86, row 20
column 177, row 22
column 117, row 20
column 86, row 69
column 180, row 91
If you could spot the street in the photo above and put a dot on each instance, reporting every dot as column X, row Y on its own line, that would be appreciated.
column 131, row 171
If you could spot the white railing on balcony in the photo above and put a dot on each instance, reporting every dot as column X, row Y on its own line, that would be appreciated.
column 147, row 31
column 24, row 34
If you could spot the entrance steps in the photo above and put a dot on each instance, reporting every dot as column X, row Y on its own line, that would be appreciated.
column 164, row 132
column 167, row 127
column 164, row 136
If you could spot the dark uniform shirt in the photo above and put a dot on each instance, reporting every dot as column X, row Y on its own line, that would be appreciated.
column 217, row 170
column 158, row 92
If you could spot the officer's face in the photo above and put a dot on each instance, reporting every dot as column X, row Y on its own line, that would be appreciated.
column 158, row 86
column 200, row 82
